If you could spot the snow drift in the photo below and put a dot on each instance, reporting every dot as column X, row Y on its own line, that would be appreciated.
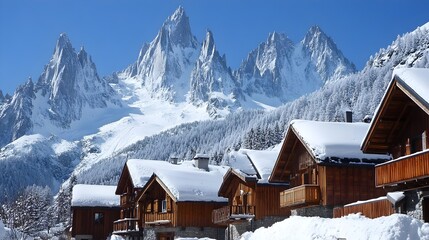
column 354, row 226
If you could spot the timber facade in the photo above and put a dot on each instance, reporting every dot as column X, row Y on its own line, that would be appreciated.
column 400, row 127
column 93, row 222
column 253, row 202
column 317, row 186
column 93, row 208
column 163, row 215
column 128, row 222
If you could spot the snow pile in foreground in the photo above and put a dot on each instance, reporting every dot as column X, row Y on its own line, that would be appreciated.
column 354, row 226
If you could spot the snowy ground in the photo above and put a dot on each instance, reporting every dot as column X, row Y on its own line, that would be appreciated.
column 354, row 226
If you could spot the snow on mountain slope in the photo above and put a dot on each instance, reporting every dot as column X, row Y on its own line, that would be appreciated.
column 144, row 117
column 36, row 159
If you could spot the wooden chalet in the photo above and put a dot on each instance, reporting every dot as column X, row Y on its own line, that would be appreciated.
column 94, row 208
column 400, row 127
column 325, row 167
column 133, row 177
column 178, row 201
column 252, row 201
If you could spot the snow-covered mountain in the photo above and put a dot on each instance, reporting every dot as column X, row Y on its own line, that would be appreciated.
column 175, row 80
column 330, row 62
column 360, row 92
column 68, row 85
column 174, row 67
column 280, row 69
column 164, row 66
column 211, row 80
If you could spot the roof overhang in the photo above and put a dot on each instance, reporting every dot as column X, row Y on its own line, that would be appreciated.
column 398, row 96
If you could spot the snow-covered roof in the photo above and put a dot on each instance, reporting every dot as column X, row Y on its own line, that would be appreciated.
column 257, row 163
column 141, row 170
column 334, row 141
column 84, row 195
column 184, row 181
column 416, row 79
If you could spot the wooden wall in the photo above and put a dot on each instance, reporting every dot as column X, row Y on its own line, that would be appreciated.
column 302, row 171
column 412, row 136
column 84, row 224
column 344, row 184
column 196, row 214
column 268, row 201
column 372, row 209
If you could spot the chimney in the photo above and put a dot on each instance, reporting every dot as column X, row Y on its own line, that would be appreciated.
column 173, row 160
column 348, row 116
column 367, row 119
column 202, row 161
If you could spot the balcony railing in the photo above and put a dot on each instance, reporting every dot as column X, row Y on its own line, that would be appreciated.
column 231, row 213
column 404, row 169
column 303, row 195
column 126, row 225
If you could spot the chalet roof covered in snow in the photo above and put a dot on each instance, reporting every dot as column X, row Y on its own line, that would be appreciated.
column 84, row 195
column 334, row 142
column 184, row 181
column 141, row 170
column 408, row 89
column 254, row 163
column 416, row 80
column 188, row 183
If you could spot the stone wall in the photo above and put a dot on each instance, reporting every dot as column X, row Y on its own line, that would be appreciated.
column 414, row 203
column 149, row 233
column 235, row 230
column 314, row 211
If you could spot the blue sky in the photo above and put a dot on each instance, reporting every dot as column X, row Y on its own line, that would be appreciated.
column 113, row 31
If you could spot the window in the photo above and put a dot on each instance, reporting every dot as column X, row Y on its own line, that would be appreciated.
column 164, row 206
column 98, row 217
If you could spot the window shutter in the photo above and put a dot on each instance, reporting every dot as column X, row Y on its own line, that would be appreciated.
column 169, row 203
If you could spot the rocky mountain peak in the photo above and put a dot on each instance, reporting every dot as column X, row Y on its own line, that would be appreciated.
column 329, row 60
column 178, row 30
column 208, row 48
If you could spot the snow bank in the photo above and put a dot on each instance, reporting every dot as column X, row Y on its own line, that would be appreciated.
column 354, row 226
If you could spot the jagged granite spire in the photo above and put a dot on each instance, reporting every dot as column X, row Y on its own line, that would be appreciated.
column 329, row 60
column 164, row 66
column 211, row 79
column 15, row 117
column 70, row 82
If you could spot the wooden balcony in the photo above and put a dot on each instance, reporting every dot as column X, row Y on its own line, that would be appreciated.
column 126, row 226
column 158, row 218
column 373, row 208
column 304, row 195
column 232, row 213
column 406, row 172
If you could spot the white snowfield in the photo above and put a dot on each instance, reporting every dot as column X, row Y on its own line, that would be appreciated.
column 84, row 195
column 351, row 227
